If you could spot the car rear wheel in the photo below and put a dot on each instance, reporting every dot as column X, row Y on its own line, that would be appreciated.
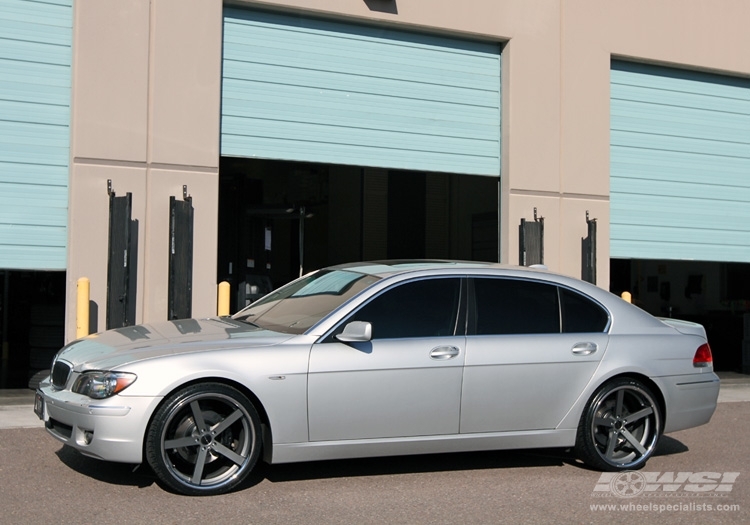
column 620, row 426
column 204, row 439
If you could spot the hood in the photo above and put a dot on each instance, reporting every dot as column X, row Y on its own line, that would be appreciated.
column 113, row 348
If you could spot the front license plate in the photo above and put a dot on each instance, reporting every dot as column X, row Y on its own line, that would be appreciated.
column 39, row 405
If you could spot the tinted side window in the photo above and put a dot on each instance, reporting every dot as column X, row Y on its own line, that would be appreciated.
column 581, row 314
column 511, row 306
column 425, row 308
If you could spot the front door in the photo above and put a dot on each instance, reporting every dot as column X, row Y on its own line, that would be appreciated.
column 406, row 381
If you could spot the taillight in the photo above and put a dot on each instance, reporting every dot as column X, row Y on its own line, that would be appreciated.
column 703, row 356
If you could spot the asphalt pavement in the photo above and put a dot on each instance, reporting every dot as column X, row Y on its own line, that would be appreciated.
column 699, row 475
column 17, row 406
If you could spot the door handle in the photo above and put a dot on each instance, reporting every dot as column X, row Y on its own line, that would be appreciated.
column 584, row 348
column 442, row 353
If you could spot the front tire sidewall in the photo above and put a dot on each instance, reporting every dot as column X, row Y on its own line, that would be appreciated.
column 158, row 458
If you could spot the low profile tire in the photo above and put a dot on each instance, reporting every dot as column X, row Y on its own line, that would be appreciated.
column 620, row 426
column 204, row 440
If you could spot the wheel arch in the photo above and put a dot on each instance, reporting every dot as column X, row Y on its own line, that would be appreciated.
column 573, row 418
column 647, row 382
column 651, row 385
column 266, row 434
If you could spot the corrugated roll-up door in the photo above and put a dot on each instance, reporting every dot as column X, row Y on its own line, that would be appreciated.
column 680, row 164
column 35, row 57
column 303, row 89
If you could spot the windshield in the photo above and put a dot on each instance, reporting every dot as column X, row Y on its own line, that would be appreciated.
column 294, row 308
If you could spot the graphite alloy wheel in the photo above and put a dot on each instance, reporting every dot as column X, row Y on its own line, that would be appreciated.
column 620, row 426
column 204, row 440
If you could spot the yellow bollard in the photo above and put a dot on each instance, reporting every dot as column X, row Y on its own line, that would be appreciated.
column 223, row 307
column 627, row 296
column 82, row 307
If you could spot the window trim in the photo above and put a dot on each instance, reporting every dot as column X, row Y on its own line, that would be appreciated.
column 471, row 323
column 461, row 313
column 607, row 325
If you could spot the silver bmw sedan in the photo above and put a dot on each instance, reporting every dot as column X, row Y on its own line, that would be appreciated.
column 378, row 359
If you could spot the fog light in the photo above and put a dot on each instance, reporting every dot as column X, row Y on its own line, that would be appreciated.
column 88, row 435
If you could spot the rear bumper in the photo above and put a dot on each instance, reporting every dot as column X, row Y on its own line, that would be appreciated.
column 109, row 429
column 690, row 399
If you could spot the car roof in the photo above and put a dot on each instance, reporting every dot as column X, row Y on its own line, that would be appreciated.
column 622, row 313
column 385, row 268
column 389, row 269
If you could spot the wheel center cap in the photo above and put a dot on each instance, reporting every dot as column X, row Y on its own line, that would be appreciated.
column 618, row 424
column 206, row 439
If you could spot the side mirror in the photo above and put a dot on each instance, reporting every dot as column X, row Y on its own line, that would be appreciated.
column 356, row 332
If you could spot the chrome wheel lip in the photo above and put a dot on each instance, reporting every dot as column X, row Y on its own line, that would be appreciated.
column 646, row 426
column 206, row 440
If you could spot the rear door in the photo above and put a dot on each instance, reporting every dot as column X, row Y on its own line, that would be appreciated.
column 532, row 348
column 406, row 381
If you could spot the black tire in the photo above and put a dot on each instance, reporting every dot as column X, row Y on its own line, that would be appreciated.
column 204, row 440
column 620, row 426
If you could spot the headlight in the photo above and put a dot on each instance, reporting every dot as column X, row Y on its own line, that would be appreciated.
column 100, row 385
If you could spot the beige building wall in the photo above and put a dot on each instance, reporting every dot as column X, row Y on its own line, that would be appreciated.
column 145, row 114
column 147, row 91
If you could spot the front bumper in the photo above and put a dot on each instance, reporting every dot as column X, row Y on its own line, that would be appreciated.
column 110, row 429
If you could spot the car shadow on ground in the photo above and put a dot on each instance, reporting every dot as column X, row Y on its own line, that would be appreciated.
column 109, row 472
column 668, row 446
column 499, row 459
column 385, row 466
column 142, row 476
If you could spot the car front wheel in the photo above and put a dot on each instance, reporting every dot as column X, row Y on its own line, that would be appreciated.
column 620, row 426
column 204, row 439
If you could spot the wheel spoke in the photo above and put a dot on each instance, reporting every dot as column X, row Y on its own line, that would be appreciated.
column 221, row 426
column 603, row 421
column 198, row 416
column 229, row 454
column 634, row 442
column 199, row 463
column 618, row 407
column 186, row 441
column 640, row 414
column 611, row 442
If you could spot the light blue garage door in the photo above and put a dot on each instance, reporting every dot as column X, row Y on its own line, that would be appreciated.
column 35, row 57
column 680, row 164
column 304, row 89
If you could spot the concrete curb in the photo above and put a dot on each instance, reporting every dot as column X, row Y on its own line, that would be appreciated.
column 19, row 416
